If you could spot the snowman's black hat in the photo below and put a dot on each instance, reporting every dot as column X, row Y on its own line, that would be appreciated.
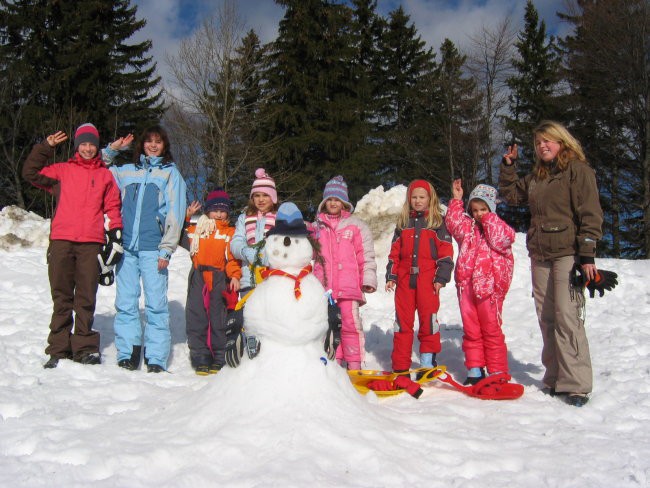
column 289, row 221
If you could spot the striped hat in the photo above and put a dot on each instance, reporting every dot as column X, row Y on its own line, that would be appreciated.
column 289, row 221
column 86, row 133
column 264, row 184
column 336, row 188
column 217, row 200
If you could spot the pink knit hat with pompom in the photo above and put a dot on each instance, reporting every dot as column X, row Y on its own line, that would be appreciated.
column 264, row 184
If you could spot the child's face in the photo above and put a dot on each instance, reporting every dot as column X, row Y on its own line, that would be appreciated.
column 419, row 200
column 478, row 209
column 218, row 215
column 333, row 206
column 87, row 150
column 262, row 202
column 154, row 146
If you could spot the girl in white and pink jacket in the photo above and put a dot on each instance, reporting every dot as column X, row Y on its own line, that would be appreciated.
column 483, row 274
column 348, row 266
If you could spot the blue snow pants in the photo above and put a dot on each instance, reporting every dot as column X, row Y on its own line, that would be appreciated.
column 134, row 266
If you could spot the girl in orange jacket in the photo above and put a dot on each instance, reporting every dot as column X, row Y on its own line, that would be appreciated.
column 214, row 272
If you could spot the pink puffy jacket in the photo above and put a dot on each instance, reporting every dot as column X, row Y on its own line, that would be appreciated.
column 349, row 255
column 485, row 259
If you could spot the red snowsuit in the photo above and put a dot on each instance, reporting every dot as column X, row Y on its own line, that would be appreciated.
column 483, row 275
column 419, row 256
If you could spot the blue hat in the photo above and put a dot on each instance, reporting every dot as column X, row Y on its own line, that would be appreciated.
column 289, row 221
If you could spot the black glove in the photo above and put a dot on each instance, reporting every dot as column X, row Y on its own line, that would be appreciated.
column 333, row 335
column 234, row 337
column 112, row 251
column 107, row 278
column 604, row 280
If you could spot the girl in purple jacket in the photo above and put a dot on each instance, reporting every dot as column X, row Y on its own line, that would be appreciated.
column 348, row 267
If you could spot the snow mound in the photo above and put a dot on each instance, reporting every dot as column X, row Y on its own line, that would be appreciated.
column 20, row 228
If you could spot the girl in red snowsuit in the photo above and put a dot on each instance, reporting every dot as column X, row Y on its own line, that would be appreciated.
column 483, row 275
column 419, row 265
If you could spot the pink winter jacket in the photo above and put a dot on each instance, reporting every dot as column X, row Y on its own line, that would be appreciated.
column 485, row 259
column 349, row 255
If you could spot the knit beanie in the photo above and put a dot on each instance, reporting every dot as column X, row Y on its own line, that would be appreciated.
column 217, row 200
column 264, row 184
column 336, row 188
column 486, row 193
column 86, row 133
column 289, row 221
column 424, row 184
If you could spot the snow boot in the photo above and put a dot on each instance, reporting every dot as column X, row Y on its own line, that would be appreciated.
column 215, row 368
column 577, row 399
column 474, row 375
column 202, row 370
column 52, row 363
column 427, row 360
column 133, row 362
column 88, row 358
column 155, row 368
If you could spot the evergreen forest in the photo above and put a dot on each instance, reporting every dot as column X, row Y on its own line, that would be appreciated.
column 343, row 90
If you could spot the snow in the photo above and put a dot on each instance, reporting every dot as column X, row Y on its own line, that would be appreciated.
column 271, row 422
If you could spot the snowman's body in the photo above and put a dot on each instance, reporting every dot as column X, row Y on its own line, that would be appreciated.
column 273, row 312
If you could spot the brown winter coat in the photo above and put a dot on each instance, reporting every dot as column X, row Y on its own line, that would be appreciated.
column 566, row 218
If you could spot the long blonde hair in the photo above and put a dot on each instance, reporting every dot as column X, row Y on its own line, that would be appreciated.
column 570, row 148
column 434, row 217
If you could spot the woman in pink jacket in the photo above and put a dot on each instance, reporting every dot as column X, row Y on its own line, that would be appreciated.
column 348, row 266
column 483, row 275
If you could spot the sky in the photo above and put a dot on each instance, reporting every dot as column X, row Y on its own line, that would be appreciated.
column 169, row 21
column 284, row 419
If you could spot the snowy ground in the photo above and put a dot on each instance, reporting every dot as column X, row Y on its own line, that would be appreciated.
column 259, row 426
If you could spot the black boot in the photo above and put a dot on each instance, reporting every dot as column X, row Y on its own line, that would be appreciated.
column 472, row 380
column 133, row 362
column 51, row 363
column 88, row 358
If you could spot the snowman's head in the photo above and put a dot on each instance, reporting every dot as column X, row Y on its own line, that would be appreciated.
column 287, row 252
column 287, row 245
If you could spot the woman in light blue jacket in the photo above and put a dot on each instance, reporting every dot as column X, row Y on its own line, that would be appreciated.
column 153, row 210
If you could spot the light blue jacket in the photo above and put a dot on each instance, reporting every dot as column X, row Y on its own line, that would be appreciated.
column 153, row 203
column 241, row 250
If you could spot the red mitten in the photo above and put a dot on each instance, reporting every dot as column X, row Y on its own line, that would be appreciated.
column 380, row 385
column 405, row 383
column 230, row 297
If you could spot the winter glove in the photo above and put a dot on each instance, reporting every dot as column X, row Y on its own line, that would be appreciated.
column 107, row 277
column 411, row 387
column 230, row 299
column 234, row 337
column 604, row 280
column 333, row 335
column 111, row 252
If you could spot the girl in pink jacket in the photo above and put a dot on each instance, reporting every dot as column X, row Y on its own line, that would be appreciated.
column 348, row 266
column 483, row 275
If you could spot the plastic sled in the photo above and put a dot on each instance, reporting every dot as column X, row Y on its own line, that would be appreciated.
column 493, row 387
column 387, row 383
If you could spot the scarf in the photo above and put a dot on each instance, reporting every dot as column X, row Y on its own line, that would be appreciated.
column 278, row 272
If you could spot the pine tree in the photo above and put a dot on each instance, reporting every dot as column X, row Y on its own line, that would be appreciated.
column 456, row 106
column 312, row 82
column 608, row 69
column 533, row 98
column 71, row 63
column 403, row 123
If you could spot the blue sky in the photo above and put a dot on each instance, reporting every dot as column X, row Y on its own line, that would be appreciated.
column 169, row 21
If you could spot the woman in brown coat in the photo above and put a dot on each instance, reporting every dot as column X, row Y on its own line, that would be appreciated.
column 566, row 221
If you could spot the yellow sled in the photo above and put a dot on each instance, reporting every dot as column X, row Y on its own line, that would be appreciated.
column 362, row 378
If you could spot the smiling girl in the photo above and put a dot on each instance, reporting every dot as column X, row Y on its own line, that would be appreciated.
column 419, row 265
column 153, row 209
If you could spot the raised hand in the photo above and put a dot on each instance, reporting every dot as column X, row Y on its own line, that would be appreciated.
column 57, row 138
column 192, row 208
column 122, row 143
column 512, row 154
column 457, row 189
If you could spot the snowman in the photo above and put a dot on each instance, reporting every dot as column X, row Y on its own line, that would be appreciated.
column 289, row 308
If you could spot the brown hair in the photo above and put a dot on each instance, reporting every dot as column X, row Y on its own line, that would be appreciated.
column 570, row 148
column 154, row 130
column 251, row 209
